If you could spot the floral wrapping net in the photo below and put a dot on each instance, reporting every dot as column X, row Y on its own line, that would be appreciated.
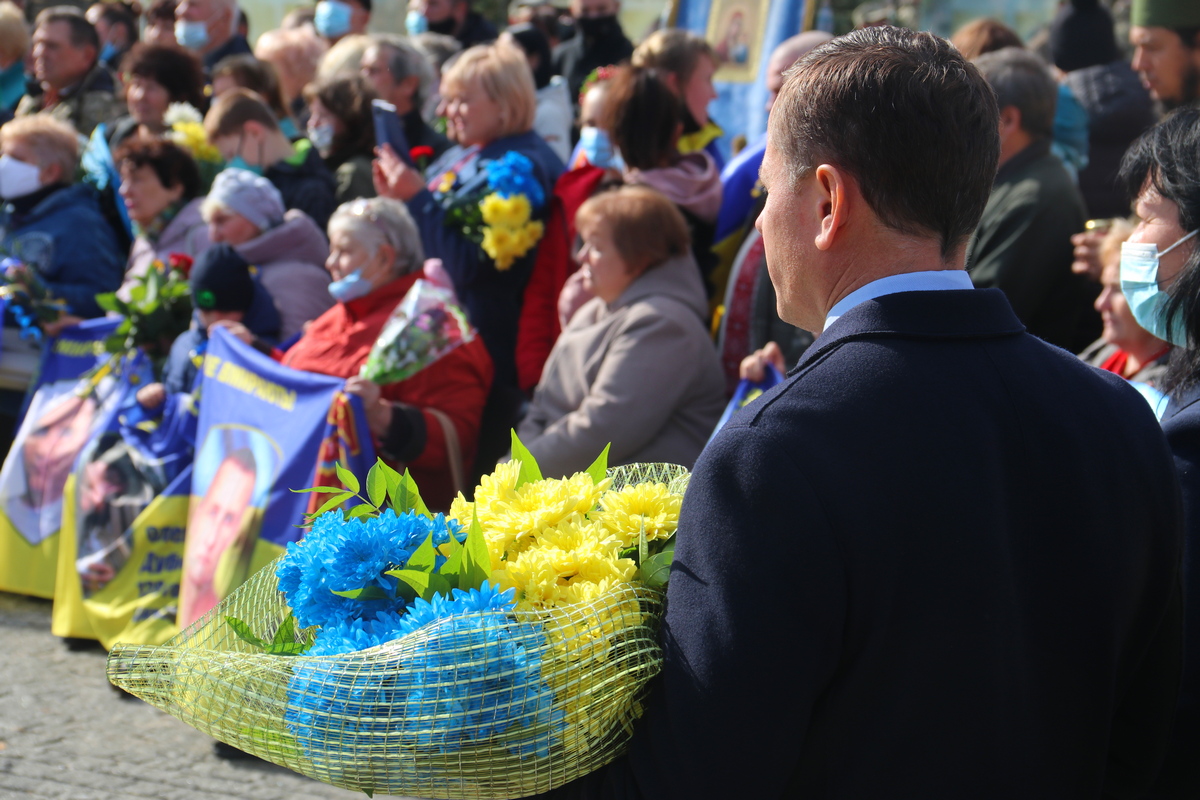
column 485, row 703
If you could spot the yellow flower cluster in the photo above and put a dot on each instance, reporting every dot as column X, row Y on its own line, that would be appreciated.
column 190, row 135
column 648, row 507
column 509, row 232
column 448, row 179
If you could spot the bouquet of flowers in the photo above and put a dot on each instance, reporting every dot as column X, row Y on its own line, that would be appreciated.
column 426, row 325
column 28, row 297
column 498, row 216
column 159, row 309
column 498, row 651
column 185, row 127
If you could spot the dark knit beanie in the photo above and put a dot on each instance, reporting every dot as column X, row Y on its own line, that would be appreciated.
column 221, row 281
column 1082, row 36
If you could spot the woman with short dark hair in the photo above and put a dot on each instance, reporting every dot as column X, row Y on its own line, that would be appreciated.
column 156, row 76
column 341, row 127
column 160, row 185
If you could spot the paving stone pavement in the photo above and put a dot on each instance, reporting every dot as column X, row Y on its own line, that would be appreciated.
column 65, row 734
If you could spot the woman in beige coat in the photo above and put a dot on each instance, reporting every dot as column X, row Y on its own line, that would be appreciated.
column 636, row 366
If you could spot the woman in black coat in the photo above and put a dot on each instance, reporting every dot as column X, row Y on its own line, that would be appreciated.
column 1162, row 173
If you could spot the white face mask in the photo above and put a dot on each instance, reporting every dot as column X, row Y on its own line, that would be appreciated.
column 17, row 178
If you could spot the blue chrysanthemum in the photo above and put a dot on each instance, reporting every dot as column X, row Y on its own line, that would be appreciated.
column 512, row 174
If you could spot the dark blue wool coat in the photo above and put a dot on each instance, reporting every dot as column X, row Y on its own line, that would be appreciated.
column 940, row 560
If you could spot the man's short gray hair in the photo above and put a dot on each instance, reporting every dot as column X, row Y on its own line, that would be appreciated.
column 404, row 60
column 1022, row 80
column 380, row 220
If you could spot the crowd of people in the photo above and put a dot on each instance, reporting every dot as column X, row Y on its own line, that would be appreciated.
column 634, row 236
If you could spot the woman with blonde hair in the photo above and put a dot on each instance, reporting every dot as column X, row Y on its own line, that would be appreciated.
column 635, row 367
column 490, row 104
column 14, row 43
column 688, row 64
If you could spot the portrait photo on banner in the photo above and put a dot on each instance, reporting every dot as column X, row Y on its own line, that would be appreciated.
column 116, row 482
column 59, row 422
column 232, row 476
column 736, row 29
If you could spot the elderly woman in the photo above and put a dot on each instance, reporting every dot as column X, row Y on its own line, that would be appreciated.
column 246, row 210
column 342, row 129
column 490, row 102
column 635, row 367
column 428, row 422
column 156, row 76
column 1124, row 347
column 160, row 185
column 1160, row 276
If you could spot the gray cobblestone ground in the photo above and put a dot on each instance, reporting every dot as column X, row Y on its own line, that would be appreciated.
column 66, row 735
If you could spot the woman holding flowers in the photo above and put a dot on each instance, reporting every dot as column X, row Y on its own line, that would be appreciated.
column 635, row 367
column 375, row 258
column 480, row 206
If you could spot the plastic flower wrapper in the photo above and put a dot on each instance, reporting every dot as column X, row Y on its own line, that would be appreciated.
column 426, row 325
column 387, row 652
column 158, row 310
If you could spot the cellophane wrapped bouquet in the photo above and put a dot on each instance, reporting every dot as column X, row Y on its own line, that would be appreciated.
column 499, row 651
column 427, row 324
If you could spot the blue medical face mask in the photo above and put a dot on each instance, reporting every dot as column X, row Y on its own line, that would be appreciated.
column 351, row 287
column 416, row 23
column 237, row 162
column 190, row 34
column 597, row 148
column 332, row 18
column 322, row 138
column 1139, row 284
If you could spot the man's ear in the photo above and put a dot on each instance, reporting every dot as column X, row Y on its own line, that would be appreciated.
column 1010, row 121
column 50, row 174
column 830, row 204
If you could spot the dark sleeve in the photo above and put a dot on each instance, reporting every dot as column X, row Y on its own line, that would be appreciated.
column 461, row 257
column 316, row 198
column 752, row 634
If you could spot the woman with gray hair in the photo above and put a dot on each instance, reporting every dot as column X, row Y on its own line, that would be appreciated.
column 428, row 422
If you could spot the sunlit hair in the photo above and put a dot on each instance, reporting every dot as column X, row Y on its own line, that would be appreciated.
column 673, row 50
column 14, row 33
column 377, row 221
column 504, row 75
column 984, row 36
column 646, row 228
column 233, row 110
column 52, row 141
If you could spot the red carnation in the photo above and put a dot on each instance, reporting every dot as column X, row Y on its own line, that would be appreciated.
column 181, row 262
column 421, row 151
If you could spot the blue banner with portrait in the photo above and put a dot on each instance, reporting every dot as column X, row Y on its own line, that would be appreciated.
column 743, row 33
column 261, row 433
column 74, row 397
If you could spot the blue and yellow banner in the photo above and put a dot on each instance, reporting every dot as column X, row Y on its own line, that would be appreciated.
column 262, row 430
column 64, row 414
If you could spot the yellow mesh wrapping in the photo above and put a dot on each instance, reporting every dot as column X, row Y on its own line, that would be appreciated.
column 391, row 719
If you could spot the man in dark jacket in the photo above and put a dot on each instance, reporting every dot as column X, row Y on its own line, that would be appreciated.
column 209, row 27
column 246, row 132
column 403, row 77
column 450, row 18
column 74, row 86
column 1165, row 35
column 896, row 576
column 598, row 42
column 1023, row 244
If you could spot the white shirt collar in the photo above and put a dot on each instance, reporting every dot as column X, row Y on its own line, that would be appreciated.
column 928, row 281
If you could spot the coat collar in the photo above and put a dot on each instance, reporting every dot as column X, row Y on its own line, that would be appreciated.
column 1178, row 405
column 951, row 314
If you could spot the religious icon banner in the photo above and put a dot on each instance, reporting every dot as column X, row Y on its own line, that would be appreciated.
column 262, row 430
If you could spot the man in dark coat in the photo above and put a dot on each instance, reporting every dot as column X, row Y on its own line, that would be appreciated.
column 598, row 42
column 1023, row 244
column 896, row 575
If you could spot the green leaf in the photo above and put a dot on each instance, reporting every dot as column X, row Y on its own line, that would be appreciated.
column 452, row 567
column 244, row 632
column 332, row 503
column 643, row 547
column 424, row 558
column 599, row 468
column 288, row 648
column 107, row 302
column 376, row 485
column 529, row 466
column 360, row 511
column 347, row 478
column 365, row 593
column 424, row 584
column 404, row 496
column 476, row 560
column 153, row 284
column 321, row 489
column 286, row 632
column 656, row 570
column 368, row 792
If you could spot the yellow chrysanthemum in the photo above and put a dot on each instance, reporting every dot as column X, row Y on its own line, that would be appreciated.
column 498, row 243
column 191, row 135
column 506, row 212
column 646, row 506
column 447, row 183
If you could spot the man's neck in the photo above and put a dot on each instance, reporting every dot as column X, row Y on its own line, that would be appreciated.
column 1013, row 144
